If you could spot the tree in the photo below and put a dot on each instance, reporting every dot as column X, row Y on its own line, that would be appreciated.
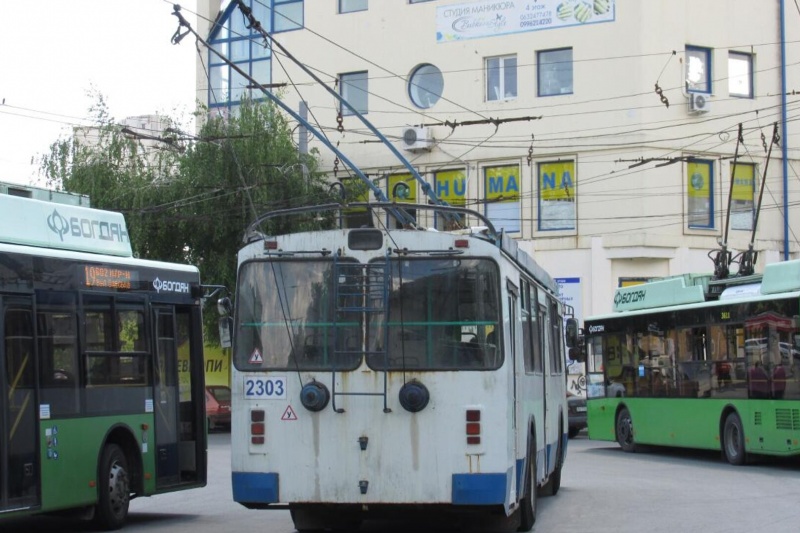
column 191, row 200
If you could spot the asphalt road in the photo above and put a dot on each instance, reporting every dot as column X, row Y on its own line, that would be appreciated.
column 603, row 490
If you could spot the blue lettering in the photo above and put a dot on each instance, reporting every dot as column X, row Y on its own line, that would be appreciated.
column 512, row 184
column 566, row 180
column 442, row 188
column 548, row 180
column 496, row 185
column 460, row 187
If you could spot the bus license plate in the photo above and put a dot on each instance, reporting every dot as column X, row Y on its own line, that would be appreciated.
column 265, row 388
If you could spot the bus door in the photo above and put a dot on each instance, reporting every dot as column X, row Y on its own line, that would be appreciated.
column 19, row 460
column 545, row 345
column 513, row 330
column 176, row 424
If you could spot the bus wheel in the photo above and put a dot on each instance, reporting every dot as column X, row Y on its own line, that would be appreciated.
column 625, row 430
column 114, row 489
column 528, row 504
column 733, row 440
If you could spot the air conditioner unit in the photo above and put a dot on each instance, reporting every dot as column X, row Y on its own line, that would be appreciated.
column 699, row 103
column 416, row 139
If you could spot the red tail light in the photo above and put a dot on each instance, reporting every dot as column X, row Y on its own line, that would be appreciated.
column 257, row 427
column 473, row 426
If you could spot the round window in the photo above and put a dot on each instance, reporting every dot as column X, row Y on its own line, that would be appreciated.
column 425, row 86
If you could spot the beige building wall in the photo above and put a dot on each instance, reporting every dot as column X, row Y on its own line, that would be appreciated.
column 631, row 219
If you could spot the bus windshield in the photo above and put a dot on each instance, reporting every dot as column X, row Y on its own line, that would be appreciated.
column 301, row 314
column 443, row 314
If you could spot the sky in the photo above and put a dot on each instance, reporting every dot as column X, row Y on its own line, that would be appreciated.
column 55, row 53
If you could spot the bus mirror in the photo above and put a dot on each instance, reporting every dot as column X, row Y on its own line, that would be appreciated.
column 224, row 306
column 225, row 330
column 577, row 355
column 572, row 333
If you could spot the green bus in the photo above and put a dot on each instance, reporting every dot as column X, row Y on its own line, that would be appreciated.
column 101, row 366
column 699, row 363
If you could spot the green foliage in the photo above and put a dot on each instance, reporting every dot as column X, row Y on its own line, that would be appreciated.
column 190, row 199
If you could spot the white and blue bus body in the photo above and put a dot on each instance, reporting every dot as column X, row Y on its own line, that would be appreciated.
column 383, row 370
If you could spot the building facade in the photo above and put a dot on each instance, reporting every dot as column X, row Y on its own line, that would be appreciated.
column 617, row 140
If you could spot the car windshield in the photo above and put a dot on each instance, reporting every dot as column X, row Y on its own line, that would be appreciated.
column 221, row 394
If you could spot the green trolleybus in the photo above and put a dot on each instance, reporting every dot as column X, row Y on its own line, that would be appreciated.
column 700, row 363
column 101, row 375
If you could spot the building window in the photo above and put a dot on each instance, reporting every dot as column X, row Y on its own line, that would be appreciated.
column 287, row 15
column 501, row 78
column 700, row 190
column 425, row 86
column 350, row 6
column 740, row 74
column 557, row 195
column 450, row 186
column 246, row 48
column 698, row 69
column 354, row 89
column 501, row 186
column 742, row 204
column 554, row 68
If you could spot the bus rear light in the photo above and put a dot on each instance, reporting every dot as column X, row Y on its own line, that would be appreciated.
column 270, row 245
column 257, row 426
column 473, row 426
column 462, row 243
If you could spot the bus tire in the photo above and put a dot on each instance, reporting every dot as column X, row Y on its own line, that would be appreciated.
column 624, row 430
column 527, row 511
column 733, row 440
column 114, row 489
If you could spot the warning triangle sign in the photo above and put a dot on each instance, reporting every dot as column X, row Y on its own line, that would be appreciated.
column 256, row 358
column 289, row 414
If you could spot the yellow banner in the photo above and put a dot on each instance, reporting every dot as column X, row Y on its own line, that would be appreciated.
column 451, row 186
column 502, row 183
column 557, row 181
column 699, row 175
column 743, row 181
column 402, row 188
column 217, row 365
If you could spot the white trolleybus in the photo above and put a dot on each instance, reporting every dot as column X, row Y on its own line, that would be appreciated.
column 380, row 370
column 101, row 366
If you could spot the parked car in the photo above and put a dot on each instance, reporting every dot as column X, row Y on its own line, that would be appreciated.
column 576, row 407
column 218, row 406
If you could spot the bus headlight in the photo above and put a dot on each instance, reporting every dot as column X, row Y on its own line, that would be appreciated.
column 414, row 396
column 314, row 396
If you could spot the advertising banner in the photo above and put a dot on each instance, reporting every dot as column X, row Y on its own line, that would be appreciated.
column 473, row 20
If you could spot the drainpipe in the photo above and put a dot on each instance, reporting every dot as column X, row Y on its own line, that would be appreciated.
column 785, row 136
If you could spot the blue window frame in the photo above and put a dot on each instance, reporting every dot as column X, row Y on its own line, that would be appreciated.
column 231, row 37
column 698, row 69
column 740, row 74
column 700, row 192
column 354, row 88
column 351, row 6
column 554, row 69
